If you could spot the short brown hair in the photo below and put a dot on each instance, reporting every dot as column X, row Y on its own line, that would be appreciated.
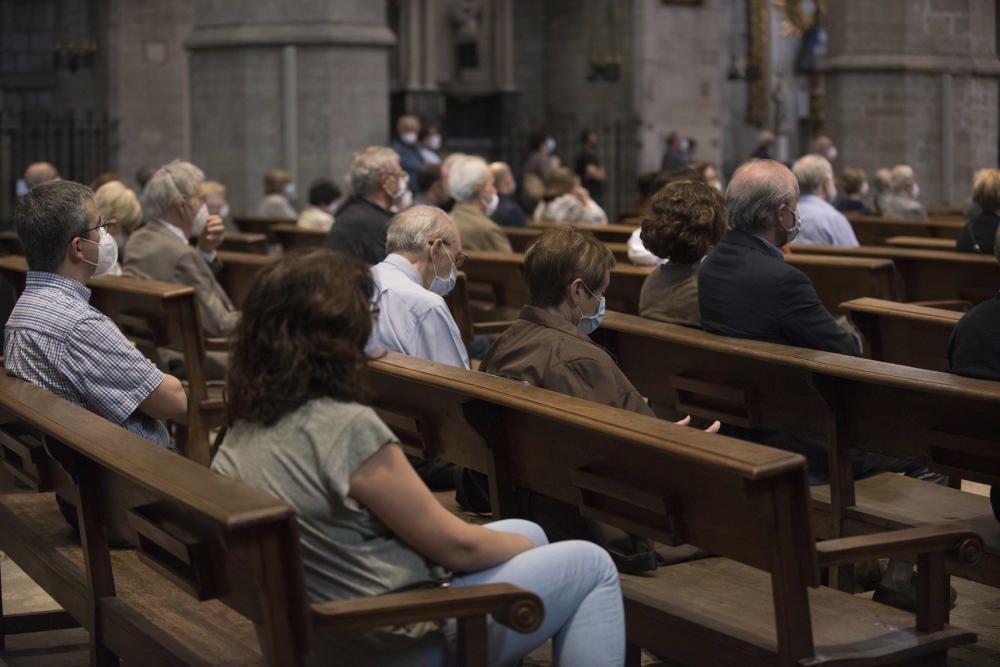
column 560, row 256
column 852, row 178
column 986, row 189
column 685, row 220
column 302, row 336
column 275, row 181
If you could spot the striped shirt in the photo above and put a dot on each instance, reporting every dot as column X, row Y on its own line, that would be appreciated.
column 57, row 340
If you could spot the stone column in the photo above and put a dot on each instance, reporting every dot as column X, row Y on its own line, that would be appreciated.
column 300, row 84
column 915, row 82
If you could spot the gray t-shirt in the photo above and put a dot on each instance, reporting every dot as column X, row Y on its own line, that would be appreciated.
column 306, row 459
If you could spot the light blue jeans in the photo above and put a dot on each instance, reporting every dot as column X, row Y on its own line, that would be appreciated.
column 578, row 584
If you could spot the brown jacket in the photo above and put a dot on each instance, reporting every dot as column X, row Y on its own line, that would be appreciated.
column 670, row 294
column 477, row 231
column 548, row 352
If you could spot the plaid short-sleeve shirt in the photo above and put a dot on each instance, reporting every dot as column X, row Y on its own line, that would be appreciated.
column 57, row 340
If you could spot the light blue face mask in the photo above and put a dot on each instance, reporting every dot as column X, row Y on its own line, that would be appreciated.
column 588, row 324
column 442, row 286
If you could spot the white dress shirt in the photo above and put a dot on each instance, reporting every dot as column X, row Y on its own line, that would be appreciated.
column 412, row 319
column 822, row 224
column 639, row 254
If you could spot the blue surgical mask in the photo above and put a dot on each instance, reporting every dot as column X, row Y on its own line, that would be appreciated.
column 442, row 286
column 550, row 144
column 588, row 324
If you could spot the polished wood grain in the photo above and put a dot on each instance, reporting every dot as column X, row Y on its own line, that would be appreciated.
column 902, row 333
column 874, row 230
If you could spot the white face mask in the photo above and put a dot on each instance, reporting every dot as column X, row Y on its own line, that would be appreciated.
column 915, row 191
column 831, row 154
column 864, row 189
column 491, row 204
column 434, row 142
column 408, row 137
column 402, row 192
column 290, row 190
column 200, row 220
column 224, row 211
column 107, row 253
column 442, row 286
column 831, row 194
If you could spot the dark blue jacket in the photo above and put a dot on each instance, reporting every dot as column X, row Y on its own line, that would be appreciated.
column 746, row 290
column 509, row 213
column 410, row 160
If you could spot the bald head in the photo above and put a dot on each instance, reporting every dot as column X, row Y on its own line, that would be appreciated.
column 756, row 193
column 38, row 173
column 417, row 227
column 502, row 177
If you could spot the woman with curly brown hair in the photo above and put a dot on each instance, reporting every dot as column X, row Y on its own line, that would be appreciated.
column 686, row 220
column 367, row 524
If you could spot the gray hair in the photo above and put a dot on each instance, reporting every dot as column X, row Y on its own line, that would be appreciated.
column 902, row 177
column 812, row 171
column 48, row 218
column 417, row 226
column 171, row 182
column 368, row 168
column 466, row 178
column 754, row 195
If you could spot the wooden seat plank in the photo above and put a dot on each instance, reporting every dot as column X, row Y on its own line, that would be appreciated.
column 921, row 242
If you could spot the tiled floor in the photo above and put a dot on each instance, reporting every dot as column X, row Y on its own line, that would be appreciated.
column 978, row 610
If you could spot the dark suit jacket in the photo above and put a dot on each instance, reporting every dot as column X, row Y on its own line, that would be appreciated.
column 746, row 290
column 509, row 213
column 979, row 233
column 359, row 229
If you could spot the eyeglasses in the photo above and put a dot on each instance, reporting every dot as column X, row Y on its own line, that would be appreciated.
column 460, row 256
column 101, row 222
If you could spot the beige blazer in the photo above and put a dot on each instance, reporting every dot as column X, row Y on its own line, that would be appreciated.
column 156, row 253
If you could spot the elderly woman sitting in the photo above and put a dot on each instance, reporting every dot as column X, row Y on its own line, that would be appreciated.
column 980, row 231
column 567, row 201
column 686, row 219
column 118, row 205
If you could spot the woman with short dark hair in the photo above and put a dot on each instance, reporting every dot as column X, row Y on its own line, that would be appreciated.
column 367, row 524
column 685, row 221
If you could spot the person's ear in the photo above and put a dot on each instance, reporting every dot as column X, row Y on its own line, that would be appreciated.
column 574, row 291
column 74, row 251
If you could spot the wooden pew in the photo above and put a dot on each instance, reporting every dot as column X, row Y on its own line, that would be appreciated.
column 606, row 233
column 156, row 315
column 292, row 237
column 216, row 575
column 10, row 244
column 903, row 333
column 929, row 275
column 836, row 279
column 244, row 242
column 258, row 225
column 938, row 419
column 238, row 269
column 874, row 230
column 743, row 502
column 521, row 239
column 921, row 242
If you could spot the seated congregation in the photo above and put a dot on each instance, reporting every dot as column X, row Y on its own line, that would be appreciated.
column 385, row 363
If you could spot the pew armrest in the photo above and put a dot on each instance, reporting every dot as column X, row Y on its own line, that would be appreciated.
column 514, row 607
column 959, row 543
column 220, row 344
column 498, row 326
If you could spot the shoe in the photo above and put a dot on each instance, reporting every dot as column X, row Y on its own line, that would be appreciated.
column 907, row 599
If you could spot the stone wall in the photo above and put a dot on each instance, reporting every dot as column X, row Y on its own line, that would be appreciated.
column 148, row 82
column 915, row 82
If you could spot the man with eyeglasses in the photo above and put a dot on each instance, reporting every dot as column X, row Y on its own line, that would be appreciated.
column 57, row 340
column 411, row 316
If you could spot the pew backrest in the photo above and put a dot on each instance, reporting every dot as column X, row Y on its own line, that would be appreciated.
column 903, row 333
column 258, row 225
column 874, row 230
column 606, row 233
column 920, row 242
column 839, row 279
column 928, row 275
column 245, row 242
column 214, row 538
column 238, row 271
column 292, row 237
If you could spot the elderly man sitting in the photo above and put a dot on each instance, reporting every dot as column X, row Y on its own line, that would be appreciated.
column 822, row 224
column 425, row 252
column 377, row 181
column 176, row 211
column 471, row 184
column 901, row 203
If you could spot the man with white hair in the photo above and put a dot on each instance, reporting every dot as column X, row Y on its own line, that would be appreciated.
column 377, row 181
column 471, row 184
column 425, row 253
column 822, row 224
column 175, row 209
column 901, row 203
